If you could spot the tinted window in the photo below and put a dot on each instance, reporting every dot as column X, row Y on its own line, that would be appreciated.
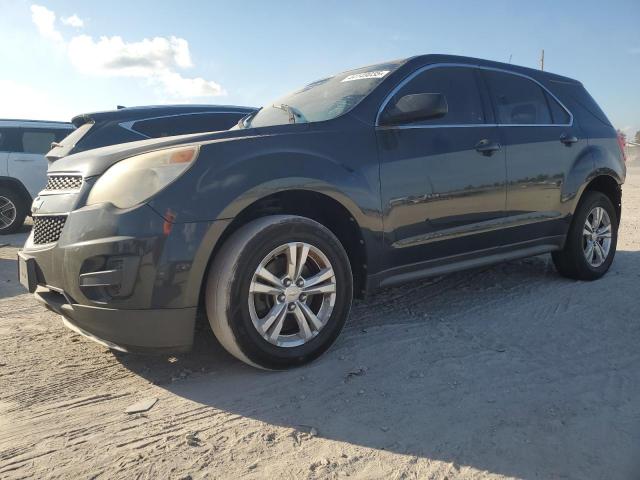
column 3, row 140
column 558, row 114
column 517, row 100
column 182, row 124
column 37, row 141
column 459, row 86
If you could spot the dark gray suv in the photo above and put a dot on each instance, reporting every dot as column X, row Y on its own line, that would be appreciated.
column 362, row 180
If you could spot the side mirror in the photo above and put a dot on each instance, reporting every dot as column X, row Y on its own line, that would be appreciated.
column 414, row 108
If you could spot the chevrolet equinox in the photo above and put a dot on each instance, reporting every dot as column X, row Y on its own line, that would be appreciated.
column 362, row 180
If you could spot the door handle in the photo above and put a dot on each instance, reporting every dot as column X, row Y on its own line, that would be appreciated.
column 487, row 147
column 568, row 140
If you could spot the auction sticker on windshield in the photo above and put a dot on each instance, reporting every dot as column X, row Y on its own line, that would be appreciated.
column 366, row 75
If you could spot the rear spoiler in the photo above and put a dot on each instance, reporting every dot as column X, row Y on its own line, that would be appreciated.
column 80, row 120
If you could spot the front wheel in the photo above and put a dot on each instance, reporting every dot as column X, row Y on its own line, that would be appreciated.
column 279, row 291
column 591, row 241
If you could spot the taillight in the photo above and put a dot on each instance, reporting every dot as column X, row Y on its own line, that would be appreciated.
column 621, row 145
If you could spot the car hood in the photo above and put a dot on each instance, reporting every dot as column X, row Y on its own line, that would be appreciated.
column 95, row 162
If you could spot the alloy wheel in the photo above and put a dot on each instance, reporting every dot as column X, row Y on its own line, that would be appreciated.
column 292, row 294
column 596, row 236
column 7, row 212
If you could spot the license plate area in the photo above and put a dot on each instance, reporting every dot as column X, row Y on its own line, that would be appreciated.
column 27, row 272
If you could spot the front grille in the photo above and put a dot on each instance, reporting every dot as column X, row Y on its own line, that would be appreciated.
column 47, row 228
column 64, row 182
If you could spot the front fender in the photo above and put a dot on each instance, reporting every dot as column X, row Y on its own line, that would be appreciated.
column 229, row 176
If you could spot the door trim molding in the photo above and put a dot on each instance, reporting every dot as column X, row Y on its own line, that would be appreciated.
column 476, row 228
column 465, row 261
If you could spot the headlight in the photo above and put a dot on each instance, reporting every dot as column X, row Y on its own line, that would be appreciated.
column 136, row 179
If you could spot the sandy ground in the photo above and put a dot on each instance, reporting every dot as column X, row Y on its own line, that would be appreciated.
column 508, row 371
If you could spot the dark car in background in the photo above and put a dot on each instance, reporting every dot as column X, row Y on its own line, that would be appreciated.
column 128, row 124
column 366, row 179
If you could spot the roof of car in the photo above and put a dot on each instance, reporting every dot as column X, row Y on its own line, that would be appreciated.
column 532, row 72
column 24, row 123
column 151, row 111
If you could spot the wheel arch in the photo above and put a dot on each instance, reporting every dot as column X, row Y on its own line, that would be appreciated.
column 17, row 186
column 596, row 168
column 319, row 206
column 609, row 186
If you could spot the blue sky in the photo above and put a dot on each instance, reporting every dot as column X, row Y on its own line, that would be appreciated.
column 250, row 52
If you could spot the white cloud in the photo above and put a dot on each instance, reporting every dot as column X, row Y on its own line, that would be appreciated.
column 73, row 21
column 18, row 100
column 178, row 86
column 45, row 20
column 112, row 56
column 156, row 60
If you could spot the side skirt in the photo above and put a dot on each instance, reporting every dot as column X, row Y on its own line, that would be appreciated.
column 456, row 263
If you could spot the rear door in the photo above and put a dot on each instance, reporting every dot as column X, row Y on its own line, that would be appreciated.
column 27, row 162
column 542, row 144
column 439, row 193
column 4, row 151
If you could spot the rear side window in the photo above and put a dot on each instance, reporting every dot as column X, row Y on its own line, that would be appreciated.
column 183, row 124
column 3, row 141
column 459, row 86
column 518, row 100
column 37, row 141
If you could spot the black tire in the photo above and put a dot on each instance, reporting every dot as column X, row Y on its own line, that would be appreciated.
column 18, row 212
column 571, row 262
column 229, row 280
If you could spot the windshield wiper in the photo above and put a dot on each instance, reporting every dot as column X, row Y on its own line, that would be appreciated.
column 292, row 111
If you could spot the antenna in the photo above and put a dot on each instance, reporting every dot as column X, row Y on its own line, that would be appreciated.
column 510, row 57
column 542, row 60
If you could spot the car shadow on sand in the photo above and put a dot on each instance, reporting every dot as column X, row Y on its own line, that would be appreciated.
column 510, row 369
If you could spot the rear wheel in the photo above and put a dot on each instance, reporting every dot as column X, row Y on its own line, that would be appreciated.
column 279, row 291
column 591, row 241
column 13, row 211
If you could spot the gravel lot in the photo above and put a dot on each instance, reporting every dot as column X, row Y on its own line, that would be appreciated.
column 508, row 371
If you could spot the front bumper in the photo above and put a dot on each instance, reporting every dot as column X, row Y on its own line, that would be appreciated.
column 138, row 331
column 127, row 279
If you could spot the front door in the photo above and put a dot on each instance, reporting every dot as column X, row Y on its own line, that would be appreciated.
column 442, row 180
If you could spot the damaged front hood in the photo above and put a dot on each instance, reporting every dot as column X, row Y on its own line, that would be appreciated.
column 95, row 162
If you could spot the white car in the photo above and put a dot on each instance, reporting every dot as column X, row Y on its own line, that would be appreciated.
column 23, row 166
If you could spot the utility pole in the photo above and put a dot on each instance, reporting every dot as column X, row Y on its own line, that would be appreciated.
column 542, row 60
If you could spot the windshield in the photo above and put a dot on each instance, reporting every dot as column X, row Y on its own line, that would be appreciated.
column 321, row 100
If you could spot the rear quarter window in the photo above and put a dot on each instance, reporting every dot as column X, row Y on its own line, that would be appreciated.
column 184, row 124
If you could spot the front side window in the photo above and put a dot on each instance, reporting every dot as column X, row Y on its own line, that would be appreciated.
column 37, row 141
column 322, row 100
column 517, row 100
column 458, row 85
column 558, row 114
